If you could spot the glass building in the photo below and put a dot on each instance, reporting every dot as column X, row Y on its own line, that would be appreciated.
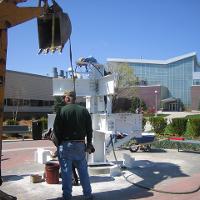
column 178, row 74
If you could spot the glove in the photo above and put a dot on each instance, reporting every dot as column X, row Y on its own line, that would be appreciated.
column 90, row 148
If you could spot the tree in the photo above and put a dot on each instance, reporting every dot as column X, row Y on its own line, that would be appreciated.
column 124, row 74
column 137, row 104
column 125, row 78
column 58, row 103
column 16, row 100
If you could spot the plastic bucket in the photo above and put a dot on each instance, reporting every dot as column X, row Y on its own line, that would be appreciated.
column 52, row 173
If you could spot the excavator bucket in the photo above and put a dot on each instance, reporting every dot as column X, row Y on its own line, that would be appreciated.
column 54, row 29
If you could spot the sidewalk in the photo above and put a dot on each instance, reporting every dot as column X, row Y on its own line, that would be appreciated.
column 166, row 170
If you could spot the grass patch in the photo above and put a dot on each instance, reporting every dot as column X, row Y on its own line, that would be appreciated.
column 193, row 116
column 167, row 144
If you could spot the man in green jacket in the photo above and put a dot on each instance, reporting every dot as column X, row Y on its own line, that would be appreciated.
column 72, row 127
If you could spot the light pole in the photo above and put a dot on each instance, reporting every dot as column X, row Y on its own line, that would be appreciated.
column 156, row 101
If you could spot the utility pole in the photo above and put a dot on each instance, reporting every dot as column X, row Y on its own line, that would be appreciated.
column 156, row 102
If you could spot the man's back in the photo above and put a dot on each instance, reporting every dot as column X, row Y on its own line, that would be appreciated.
column 75, row 122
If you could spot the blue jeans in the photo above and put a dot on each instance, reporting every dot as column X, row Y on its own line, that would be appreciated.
column 69, row 152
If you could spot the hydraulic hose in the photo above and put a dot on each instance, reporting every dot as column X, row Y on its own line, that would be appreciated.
column 70, row 55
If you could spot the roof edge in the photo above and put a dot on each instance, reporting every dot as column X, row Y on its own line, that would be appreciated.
column 162, row 62
column 27, row 73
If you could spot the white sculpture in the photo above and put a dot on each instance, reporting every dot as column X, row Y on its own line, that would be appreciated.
column 96, row 87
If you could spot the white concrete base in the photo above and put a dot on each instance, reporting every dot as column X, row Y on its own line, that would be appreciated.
column 42, row 155
column 104, row 168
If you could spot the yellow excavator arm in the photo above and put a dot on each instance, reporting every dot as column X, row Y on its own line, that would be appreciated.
column 11, row 15
column 54, row 29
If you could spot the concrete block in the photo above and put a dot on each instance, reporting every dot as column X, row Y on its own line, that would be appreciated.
column 128, row 161
column 42, row 155
column 115, row 171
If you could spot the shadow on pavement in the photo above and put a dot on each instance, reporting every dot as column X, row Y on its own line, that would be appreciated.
column 157, row 150
column 96, row 179
column 153, row 150
column 5, row 196
column 189, row 151
column 151, row 174
column 5, row 159
column 8, row 178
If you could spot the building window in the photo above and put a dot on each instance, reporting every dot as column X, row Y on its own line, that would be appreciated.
column 26, row 102
column 196, row 82
column 10, row 102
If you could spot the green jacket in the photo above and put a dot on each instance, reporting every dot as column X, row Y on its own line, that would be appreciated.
column 73, row 122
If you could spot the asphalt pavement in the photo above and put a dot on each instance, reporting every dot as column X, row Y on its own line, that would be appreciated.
column 171, row 174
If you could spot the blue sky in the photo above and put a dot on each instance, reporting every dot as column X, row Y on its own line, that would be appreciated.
column 151, row 29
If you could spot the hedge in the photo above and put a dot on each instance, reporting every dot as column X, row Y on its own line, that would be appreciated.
column 178, row 126
column 193, row 129
column 158, row 124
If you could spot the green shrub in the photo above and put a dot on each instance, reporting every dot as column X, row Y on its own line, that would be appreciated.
column 158, row 124
column 44, row 122
column 193, row 129
column 137, row 103
column 178, row 126
column 58, row 103
column 11, row 122
column 197, row 116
